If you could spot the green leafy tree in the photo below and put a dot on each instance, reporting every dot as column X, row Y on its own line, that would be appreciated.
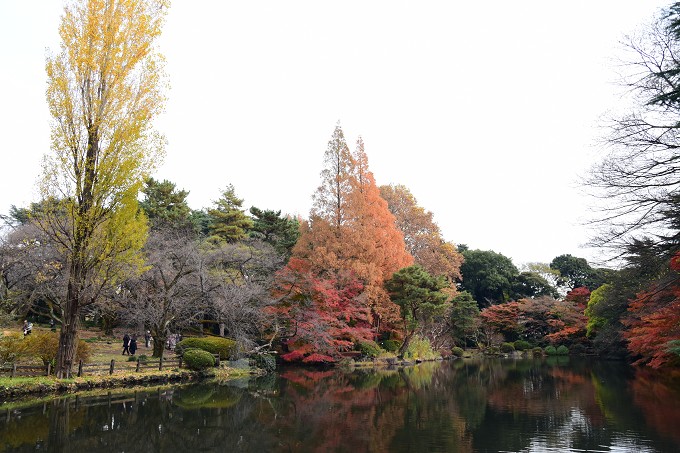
column 164, row 205
column 595, row 321
column 419, row 296
column 228, row 221
column 104, row 89
column 575, row 272
column 488, row 276
column 465, row 320
column 532, row 284
column 200, row 220
column 281, row 232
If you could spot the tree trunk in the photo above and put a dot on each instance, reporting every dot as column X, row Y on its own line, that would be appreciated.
column 405, row 344
column 158, row 344
column 222, row 326
column 68, row 337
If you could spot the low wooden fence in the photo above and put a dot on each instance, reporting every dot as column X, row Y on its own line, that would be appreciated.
column 16, row 370
column 90, row 369
column 136, row 366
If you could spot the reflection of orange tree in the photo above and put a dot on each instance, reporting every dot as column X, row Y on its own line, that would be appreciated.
column 557, row 393
column 658, row 402
column 381, row 411
column 327, row 416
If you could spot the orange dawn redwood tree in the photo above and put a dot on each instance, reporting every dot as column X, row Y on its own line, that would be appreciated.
column 350, row 228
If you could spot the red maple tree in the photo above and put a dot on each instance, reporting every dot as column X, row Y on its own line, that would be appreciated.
column 324, row 316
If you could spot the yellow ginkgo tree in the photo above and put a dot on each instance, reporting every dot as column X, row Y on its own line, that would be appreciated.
column 104, row 88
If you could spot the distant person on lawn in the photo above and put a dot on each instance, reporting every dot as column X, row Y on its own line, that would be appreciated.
column 133, row 345
column 126, row 344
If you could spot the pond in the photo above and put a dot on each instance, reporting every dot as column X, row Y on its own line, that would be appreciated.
column 528, row 405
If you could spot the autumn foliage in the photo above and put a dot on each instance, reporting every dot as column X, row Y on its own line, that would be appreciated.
column 323, row 316
column 653, row 322
column 351, row 229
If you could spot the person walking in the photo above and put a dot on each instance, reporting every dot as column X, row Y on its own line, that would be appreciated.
column 147, row 338
column 133, row 345
column 126, row 344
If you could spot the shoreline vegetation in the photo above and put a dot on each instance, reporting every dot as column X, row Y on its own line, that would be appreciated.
column 30, row 389
column 103, row 350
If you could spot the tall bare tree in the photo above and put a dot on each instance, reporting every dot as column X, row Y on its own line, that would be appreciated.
column 639, row 178
column 169, row 295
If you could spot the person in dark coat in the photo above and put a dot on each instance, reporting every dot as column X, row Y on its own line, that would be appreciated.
column 126, row 344
column 133, row 345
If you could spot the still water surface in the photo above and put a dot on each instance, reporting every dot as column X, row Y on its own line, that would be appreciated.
column 540, row 405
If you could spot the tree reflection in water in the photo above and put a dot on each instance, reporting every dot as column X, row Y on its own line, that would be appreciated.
column 459, row 406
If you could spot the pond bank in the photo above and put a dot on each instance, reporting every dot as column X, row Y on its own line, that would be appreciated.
column 15, row 388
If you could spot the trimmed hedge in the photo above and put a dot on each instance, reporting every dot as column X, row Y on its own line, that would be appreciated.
column 562, row 350
column 368, row 348
column 550, row 350
column 507, row 348
column 224, row 347
column 457, row 351
column 198, row 359
column 522, row 345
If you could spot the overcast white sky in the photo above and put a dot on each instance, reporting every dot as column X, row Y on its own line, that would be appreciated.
column 486, row 111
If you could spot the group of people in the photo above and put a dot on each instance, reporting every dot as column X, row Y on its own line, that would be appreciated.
column 130, row 342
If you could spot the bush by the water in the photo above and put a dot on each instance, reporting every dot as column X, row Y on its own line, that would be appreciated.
column 537, row 350
column 368, row 348
column 198, row 359
column 224, row 347
column 522, row 345
column 390, row 345
column 457, row 351
column 507, row 348
column 266, row 362
column 550, row 350
column 420, row 349
column 562, row 350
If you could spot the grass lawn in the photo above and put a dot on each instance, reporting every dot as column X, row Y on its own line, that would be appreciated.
column 103, row 349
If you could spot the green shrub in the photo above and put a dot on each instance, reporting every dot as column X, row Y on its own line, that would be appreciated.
column 522, row 345
column 457, row 351
column 507, row 348
column 198, row 359
column 142, row 358
column 562, row 350
column 550, row 350
column 266, row 362
column 537, row 350
column 390, row 345
column 420, row 349
column 368, row 348
column 224, row 347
